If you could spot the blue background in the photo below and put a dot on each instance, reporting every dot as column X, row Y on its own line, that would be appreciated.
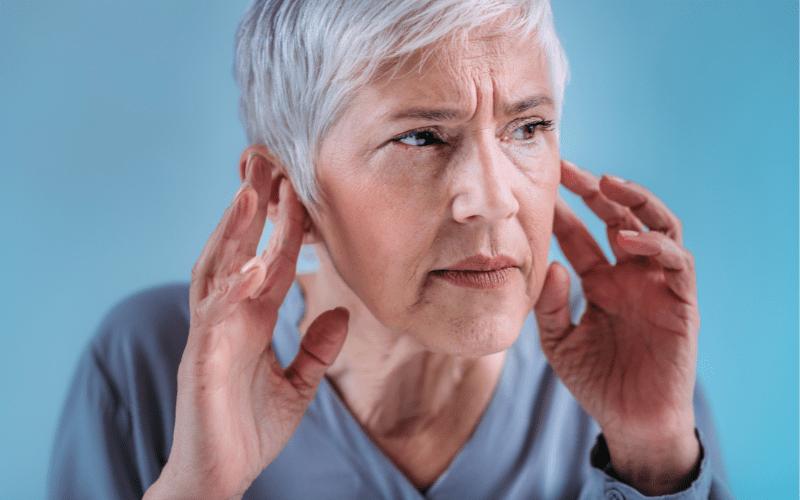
column 119, row 140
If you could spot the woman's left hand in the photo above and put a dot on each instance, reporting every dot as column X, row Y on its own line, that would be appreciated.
column 630, row 361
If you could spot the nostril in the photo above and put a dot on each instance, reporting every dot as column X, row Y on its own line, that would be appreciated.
column 489, row 202
column 483, row 183
column 462, row 207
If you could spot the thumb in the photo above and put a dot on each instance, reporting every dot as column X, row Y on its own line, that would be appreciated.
column 552, row 308
column 318, row 350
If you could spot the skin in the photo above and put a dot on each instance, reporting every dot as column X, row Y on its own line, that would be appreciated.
column 402, row 197
column 423, row 356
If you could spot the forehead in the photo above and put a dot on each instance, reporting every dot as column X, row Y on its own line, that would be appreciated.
column 464, row 74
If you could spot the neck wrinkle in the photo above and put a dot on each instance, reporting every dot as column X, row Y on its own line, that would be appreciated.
column 393, row 386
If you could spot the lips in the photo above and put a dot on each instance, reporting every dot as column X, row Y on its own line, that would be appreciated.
column 483, row 263
column 478, row 272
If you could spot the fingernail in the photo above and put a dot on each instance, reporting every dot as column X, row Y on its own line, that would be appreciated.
column 344, row 311
column 250, row 264
column 627, row 233
column 614, row 178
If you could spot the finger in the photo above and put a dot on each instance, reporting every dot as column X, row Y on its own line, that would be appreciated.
column 678, row 263
column 676, row 316
column 577, row 244
column 644, row 204
column 283, row 248
column 552, row 308
column 259, row 175
column 223, row 242
column 587, row 186
column 225, row 298
column 614, row 215
column 230, row 258
column 318, row 350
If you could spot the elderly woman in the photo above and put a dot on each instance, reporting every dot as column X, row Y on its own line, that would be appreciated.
column 433, row 354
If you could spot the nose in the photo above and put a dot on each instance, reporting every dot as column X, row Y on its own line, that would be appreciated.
column 483, row 183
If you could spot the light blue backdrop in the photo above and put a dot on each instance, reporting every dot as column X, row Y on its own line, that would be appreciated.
column 119, row 140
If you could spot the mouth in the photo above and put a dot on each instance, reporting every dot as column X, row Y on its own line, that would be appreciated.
column 478, row 272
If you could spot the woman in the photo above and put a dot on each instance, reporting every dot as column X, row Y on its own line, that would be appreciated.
column 421, row 139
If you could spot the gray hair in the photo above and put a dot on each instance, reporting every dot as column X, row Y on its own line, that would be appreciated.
column 299, row 62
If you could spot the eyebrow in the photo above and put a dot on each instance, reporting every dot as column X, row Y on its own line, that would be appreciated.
column 520, row 107
column 432, row 115
column 448, row 114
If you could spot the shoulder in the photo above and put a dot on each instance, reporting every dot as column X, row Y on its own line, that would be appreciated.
column 164, row 308
column 116, row 424
column 135, row 353
column 148, row 328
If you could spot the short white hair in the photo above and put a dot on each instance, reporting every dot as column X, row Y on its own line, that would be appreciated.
column 299, row 62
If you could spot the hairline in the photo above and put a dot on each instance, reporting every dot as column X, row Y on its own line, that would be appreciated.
column 270, row 102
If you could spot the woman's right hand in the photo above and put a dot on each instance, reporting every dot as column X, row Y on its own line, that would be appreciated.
column 237, row 407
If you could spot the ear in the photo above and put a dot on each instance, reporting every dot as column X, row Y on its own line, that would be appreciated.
column 263, row 170
column 311, row 234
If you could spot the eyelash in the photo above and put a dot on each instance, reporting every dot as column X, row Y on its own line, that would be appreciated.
column 541, row 124
column 435, row 134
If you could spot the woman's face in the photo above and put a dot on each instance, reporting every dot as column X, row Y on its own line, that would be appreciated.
column 438, row 188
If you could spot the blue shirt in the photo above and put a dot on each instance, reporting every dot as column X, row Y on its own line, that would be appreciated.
column 533, row 441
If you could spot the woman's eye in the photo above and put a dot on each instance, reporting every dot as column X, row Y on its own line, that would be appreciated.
column 422, row 138
column 527, row 131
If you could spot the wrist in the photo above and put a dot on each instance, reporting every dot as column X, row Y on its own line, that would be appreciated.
column 159, row 491
column 656, row 466
column 168, row 487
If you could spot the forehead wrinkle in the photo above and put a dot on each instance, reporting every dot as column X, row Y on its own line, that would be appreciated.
column 453, row 85
column 527, row 87
column 472, row 79
column 443, row 93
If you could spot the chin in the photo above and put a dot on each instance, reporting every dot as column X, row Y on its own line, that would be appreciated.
column 475, row 337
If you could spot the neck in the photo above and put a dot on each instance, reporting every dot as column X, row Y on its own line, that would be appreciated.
column 420, row 407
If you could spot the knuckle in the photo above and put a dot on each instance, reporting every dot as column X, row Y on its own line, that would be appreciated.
column 617, row 221
column 197, row 274
column 689, row 258
column 686, row 316
column 645, row 193
column 591, row 195
column 688, row 255
column 676, row 224
column 200, row 313
column 206, row 308
column 297, row 379
column 641, row 205
column 278, row 263
column 683, row 311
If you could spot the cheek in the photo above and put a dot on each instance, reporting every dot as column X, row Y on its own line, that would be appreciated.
column 378, row 234
column 401, row 196
column 536, row 218
column 414, row 175
column 537, row 206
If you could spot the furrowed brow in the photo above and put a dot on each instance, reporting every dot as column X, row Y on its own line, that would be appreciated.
column 433, row 115
column 448, row 114
column 517, row 108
